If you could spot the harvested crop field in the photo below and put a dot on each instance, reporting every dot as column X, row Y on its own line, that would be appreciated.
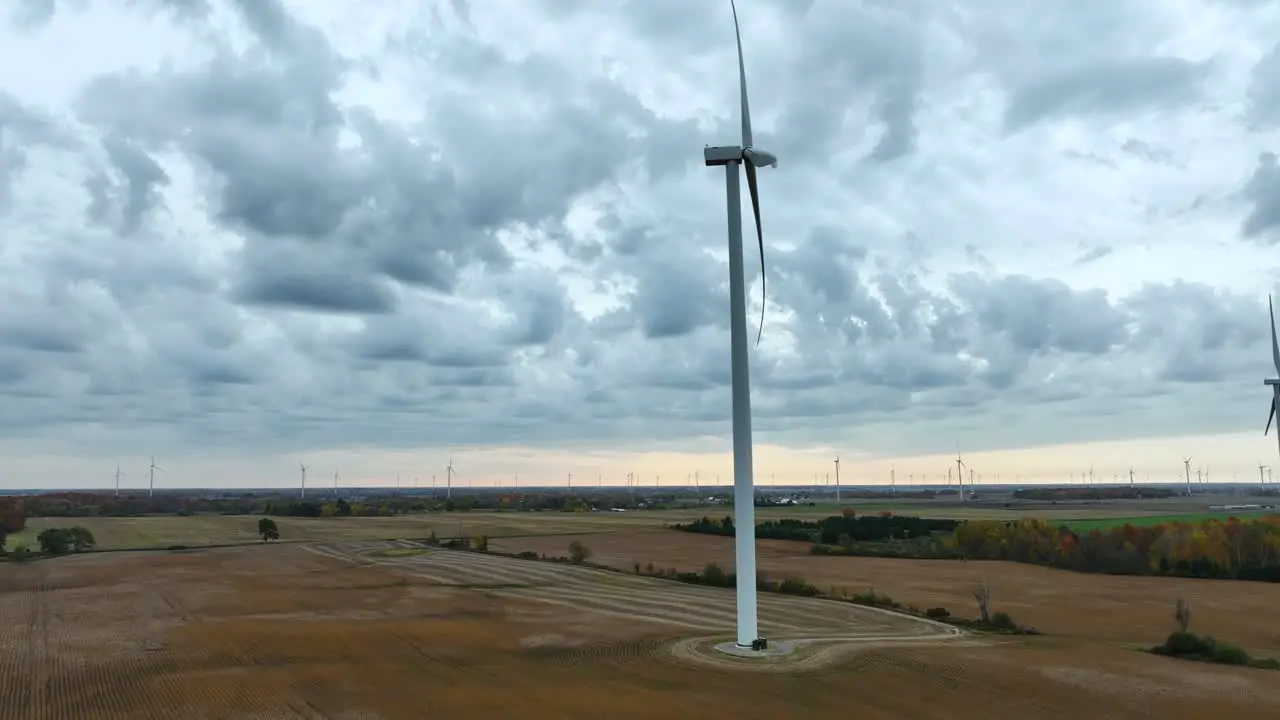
column 149, row 532
column 1118, row 610
column 348, row 630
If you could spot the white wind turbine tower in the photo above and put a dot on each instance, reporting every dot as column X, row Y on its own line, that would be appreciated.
column 960, row 466
column 448, row 478
column 303, row 468
column 1130, row 476
column 335, row 482
column 750, row 158
column 1186, row 463
column 151, row 490
column 1273, row 382
column 119, row 475
column 837, row 478
column 1262, row 480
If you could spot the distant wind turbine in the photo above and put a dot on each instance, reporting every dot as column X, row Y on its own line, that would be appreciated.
column 837, row 478
column 1186, row 462
column 119, row 475
column 960, row 466
column 1273, row 382
column 1261, row 479
column 1130, row 476
column 303, row 468
column 448, row 479
column 151, row 490
column 335, row 482
column 750, row 158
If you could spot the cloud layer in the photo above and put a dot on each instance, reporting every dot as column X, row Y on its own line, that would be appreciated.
column 279, row 226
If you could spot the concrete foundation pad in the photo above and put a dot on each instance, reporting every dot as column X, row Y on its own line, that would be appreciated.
column 776, row 649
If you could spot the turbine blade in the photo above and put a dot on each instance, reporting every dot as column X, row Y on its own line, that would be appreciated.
column 742, row 80
column 1275, row 347
column 1271, row 416
column 754, row 190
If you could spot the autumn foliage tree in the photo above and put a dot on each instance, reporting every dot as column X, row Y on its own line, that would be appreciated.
column 1232, row 548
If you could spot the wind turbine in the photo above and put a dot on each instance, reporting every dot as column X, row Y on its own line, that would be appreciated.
column 960, row 473
column 1261, row 479
column 120, row 475
column 837, row 478
column 303, row 468
column 448, row 478
column 151, row 490
column 335, row 482
column 1273, row 382
column 1130, row 476
column 1186, row 462
column 750, row 158
column 892, row 483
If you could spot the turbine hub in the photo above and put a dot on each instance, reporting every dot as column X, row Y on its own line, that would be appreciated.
column 760, row 158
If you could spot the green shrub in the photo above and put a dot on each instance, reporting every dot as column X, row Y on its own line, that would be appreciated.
column 1189, row 646
column 796, row 586
column 1002, row 621
column 874, row 599
column 713, row 574
column 578, row 552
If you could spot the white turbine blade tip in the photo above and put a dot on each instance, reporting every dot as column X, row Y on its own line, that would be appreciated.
column 742, row 80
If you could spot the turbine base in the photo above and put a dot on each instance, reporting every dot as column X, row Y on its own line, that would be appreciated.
column 760, row 649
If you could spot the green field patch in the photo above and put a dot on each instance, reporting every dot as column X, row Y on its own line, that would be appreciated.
column 1107, row 523
column 23, row 538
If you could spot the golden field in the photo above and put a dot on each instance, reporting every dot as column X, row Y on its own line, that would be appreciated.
column 341, row 625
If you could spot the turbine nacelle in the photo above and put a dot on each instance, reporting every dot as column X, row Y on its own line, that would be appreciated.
column 723, row 155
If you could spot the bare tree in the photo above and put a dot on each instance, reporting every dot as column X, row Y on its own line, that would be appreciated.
column 1182, row 614
column 982, row 594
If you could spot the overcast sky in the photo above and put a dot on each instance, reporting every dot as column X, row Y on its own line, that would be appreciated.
column 244, row 234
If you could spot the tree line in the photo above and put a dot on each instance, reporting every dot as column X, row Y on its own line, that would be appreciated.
column 15, row 510
column 1245, row 549
column 832, row 530
column 1128, row 492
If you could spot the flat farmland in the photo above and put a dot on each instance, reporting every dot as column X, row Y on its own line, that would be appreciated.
column 377, row 630
column 380, row 630
column 149, row 532
column 135, row 533
column 1107, row 609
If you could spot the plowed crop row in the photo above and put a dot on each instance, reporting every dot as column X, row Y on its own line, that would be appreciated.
column 689, row 608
